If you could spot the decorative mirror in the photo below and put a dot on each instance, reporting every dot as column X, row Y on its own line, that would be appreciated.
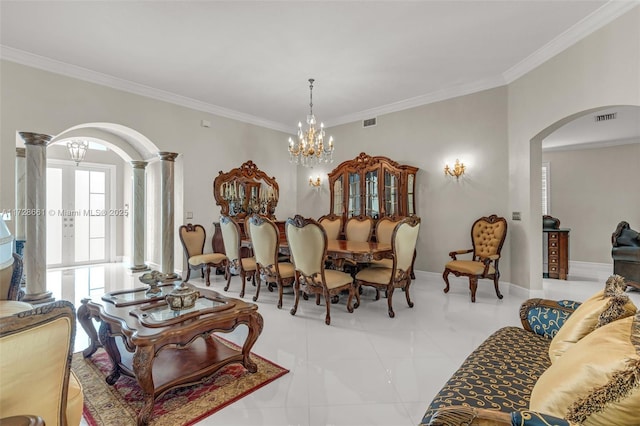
column 244, row 191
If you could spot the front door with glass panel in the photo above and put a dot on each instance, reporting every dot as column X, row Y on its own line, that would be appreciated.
column 77, row 224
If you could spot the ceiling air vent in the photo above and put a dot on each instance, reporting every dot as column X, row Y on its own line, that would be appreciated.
column 605, row 117
column 369, row 122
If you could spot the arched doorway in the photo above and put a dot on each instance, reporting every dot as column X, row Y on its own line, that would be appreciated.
column 586, row 169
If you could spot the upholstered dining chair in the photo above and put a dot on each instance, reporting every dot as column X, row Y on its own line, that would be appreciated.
column 384, row 234
column 308, row 245
column 332, row 224
column 35, row 360
column 237, row 265
column 487, row 237
column 265, row 241
column 358, row 228
column 403, row 243
column 193, row 238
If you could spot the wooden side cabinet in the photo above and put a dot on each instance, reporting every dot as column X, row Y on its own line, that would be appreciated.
column 557, row 253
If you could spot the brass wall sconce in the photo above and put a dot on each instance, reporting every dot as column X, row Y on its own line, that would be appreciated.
column 457, row 171
column 315, row 183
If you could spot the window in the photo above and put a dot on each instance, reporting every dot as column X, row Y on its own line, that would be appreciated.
column 546, row 183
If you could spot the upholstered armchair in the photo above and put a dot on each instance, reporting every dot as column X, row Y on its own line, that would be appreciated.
column 625, row 252
column 403, row 243
column 308, row 245
column 35, row 365
column 487, row 237
column 10, row 278
column 193, row 238
column 237, row 264
column 265, row 242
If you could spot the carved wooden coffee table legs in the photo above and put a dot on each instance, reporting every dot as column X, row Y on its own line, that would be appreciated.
column 85, row 319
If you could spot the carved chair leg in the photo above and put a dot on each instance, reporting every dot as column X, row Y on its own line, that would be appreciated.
column 377, row 294
column 318, row 299
column 280, row 292
column 188, row 273
column 445, row 277
column 406, row 293
column 390, row 301
column 349, row 307
column 202, row 271
column 258, row 282
column 243, row 277
column 473, row 286
column 227, row 273
column 495, row 284
column 296, row 290
column 356, row 288
column 327, row 301
column 208, row 272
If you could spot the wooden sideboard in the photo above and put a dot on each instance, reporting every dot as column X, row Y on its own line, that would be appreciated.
column 555, row 247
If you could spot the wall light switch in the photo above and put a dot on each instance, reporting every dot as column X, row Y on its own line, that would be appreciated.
column 189, row 215
column 205, row 123
column 515, row 216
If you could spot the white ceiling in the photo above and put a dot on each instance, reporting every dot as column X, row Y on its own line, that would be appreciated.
column 251, row 60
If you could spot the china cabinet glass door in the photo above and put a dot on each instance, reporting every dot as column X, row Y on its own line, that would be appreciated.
column 338, row 205
column 390, row 193
column 411, row 210
column 371, row 194
column 354, row 207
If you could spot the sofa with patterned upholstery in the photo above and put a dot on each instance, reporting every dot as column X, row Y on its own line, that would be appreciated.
column 570, row 364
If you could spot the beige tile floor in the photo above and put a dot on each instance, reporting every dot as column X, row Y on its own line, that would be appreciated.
column 366, row 368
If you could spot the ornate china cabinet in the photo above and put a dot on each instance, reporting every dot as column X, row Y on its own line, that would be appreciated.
column 374, row 187
column 241, row 192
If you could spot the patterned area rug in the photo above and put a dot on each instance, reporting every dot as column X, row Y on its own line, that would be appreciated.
column 119, row 405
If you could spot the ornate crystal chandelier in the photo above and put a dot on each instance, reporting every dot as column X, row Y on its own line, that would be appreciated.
column 310, row 148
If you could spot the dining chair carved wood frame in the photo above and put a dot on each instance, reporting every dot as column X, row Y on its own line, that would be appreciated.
column 193, row 238
column 265, row 241
column 487, row 236
column 308, row 245
column 245, row 267
column 403, row 243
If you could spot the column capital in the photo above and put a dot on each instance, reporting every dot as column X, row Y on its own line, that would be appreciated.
column 35, row 138
column 21, row 152
column 139, row 164
column 167, row 156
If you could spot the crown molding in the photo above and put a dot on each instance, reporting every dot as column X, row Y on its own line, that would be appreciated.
column 51, row 65
column 593, row 22
column 592, row 145
column 438, row 95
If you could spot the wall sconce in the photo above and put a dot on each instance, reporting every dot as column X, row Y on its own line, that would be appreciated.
column 457, row 171
column 315, row 183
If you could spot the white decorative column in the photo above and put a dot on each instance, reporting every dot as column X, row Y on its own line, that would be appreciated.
column 35, row 256
column 167, row 212
column 20, row 200
column 138, row 216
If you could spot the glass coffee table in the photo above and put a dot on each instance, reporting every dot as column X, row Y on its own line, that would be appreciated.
column 163, row 348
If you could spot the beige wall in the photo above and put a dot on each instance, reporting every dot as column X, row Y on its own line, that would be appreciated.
column 601, row 70
column 592, row 190
column 472, row 128
column 43, row 102
column 491, row 131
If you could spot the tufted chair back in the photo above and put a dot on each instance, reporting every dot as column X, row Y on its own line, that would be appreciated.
column 264, row 239
column 358, row 228
column 308, row 244
column 488, row 235
column 193, row 238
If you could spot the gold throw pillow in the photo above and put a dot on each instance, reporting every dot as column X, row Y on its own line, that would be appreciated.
column 597, row 381
column 600, row 309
